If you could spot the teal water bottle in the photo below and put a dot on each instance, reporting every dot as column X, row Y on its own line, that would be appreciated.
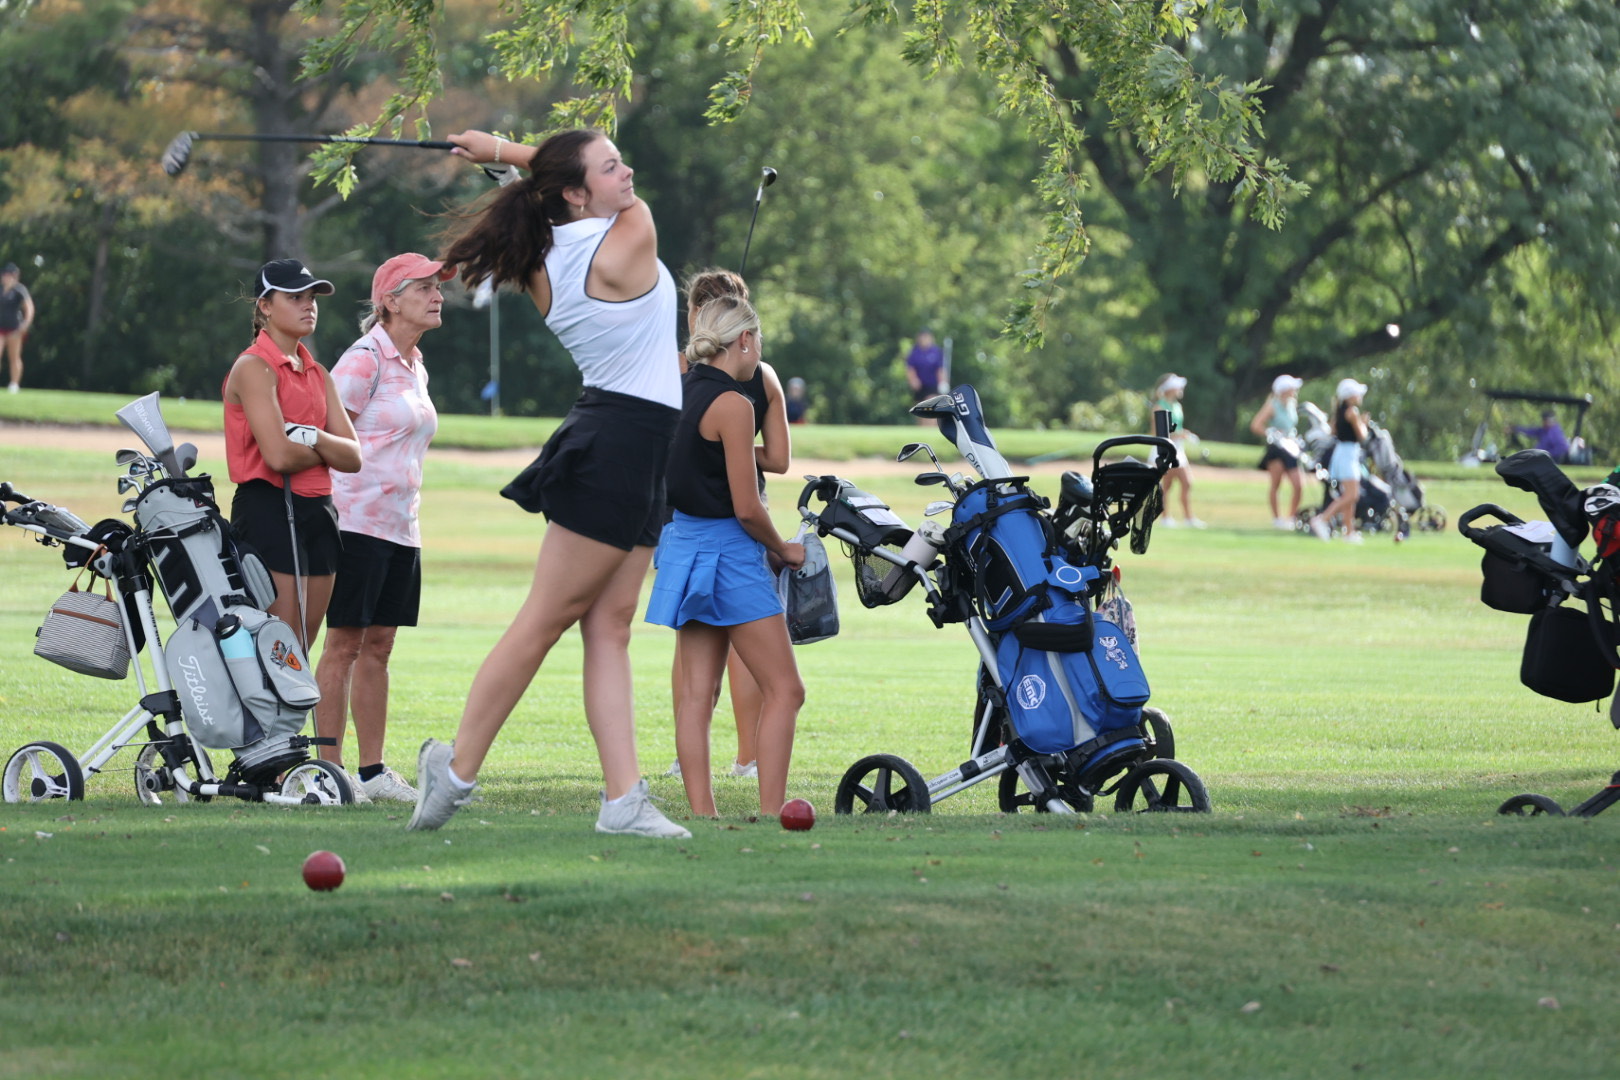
column 234, row 642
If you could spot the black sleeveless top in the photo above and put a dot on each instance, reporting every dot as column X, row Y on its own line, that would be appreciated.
column 696, row 480
column 1343, row 429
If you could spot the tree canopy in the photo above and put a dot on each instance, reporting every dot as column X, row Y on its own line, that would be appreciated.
column 1450, row 188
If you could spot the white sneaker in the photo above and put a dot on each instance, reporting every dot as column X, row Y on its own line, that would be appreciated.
column 390, row 786
column 438, row 798
column 749, row 771
column 1168, row 522
column 1197, row 524
column 13, row 388
column 635, row 815
column 1282, row 524
column 357, row 787
column 1353, row 538
column 1319, row 527
column 675, row 769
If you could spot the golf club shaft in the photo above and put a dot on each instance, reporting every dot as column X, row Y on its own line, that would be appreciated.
column 742, row 269
column 426, row 144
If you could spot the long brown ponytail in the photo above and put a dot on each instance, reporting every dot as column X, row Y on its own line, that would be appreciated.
column 507, row 240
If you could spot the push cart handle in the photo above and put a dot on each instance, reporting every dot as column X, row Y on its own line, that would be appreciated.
column 822, row 485
column 11, row 494
column 1468, row 518
column 1167, row 447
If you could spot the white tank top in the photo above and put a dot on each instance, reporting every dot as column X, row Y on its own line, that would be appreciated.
column 627, row 346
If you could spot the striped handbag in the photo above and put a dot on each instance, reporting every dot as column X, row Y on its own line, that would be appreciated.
column 84, row 632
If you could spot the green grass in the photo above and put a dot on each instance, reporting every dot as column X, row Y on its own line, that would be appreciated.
column 1352, row 907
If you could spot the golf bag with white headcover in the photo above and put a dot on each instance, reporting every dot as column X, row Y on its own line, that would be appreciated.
column 242, row 678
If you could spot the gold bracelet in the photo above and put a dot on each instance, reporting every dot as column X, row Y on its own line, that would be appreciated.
column 498, row 141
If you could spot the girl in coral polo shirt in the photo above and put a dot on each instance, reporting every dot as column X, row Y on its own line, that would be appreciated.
column 284, row 425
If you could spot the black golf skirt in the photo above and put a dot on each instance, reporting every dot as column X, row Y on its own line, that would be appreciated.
column 601, row 474
column 259, row 518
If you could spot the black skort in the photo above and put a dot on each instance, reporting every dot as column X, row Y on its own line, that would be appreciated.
column 259, row 519
column 1277, row 453
column 601, row 474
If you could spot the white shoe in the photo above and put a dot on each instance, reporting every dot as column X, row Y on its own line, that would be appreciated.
column 389, row 786
column 1282, row 524
column 438, row 797
column 675, row 769
column 1197, row 524
column 1353, row 538
column 749, row 771
column 357, row 787
column 1168, row 522
column 12, row 388
column 1319, row 527
column 635, row 815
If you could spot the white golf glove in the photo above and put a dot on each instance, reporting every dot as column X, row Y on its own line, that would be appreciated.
column 302, row 434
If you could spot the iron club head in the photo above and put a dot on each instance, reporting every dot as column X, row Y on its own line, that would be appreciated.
column 767, row 176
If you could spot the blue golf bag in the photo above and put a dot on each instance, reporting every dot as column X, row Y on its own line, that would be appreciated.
column 1071, row 678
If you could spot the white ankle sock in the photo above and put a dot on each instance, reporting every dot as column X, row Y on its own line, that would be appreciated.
column 457, row 782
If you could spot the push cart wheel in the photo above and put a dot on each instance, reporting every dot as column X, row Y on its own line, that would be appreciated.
column 1161, row 786
column 870, row 785
column 1430, row 519
column 41, row 771
column 1158, row 734
column 1530, row 806
column 318, row 783
column 1014, row 795
column 154, row 780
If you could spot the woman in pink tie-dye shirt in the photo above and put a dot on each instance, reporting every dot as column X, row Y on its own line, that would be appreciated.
column 383, row 386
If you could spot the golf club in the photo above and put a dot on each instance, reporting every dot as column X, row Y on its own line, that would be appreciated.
column 767, row 177
column 178, row 152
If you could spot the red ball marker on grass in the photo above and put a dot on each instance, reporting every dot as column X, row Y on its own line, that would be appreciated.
column 798, row 815
column 323, row 871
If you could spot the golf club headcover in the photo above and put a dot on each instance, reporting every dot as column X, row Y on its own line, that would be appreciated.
column 1536, row 472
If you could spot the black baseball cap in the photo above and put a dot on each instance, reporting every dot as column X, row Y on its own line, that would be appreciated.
column 289, row 276
column 9, row 268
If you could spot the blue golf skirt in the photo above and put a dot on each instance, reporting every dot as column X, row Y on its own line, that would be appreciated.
column 710, row 571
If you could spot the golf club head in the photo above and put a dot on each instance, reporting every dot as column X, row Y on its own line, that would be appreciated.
column 126, row 456
column 911, row 449
column 178, row 153
column 929, row 479
column 767, row 177
column 939, row 506
column 145, row 419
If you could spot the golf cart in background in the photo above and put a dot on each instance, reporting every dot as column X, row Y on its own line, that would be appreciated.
column 1484, row 450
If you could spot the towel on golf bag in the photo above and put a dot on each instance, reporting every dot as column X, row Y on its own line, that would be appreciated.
column 241, row 677
column 1059, row 700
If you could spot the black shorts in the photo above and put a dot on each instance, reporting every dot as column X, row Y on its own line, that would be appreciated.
column 601, row 474
column 379, row 583
column 259, row 518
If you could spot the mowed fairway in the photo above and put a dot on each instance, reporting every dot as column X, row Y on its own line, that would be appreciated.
column 1353, row 907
